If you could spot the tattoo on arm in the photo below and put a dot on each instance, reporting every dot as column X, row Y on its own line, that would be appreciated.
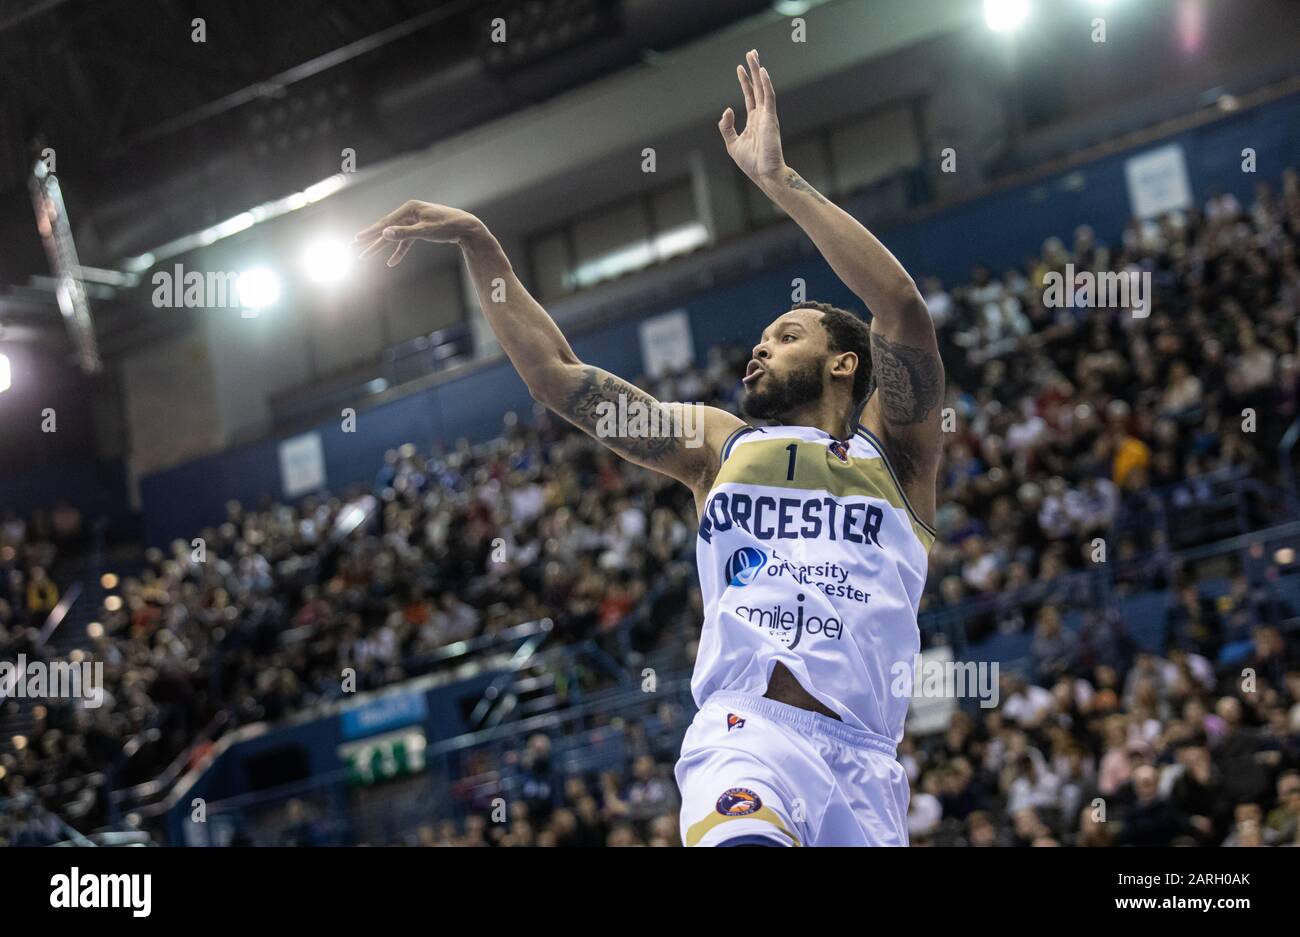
column 795, row 181
column 910, row 385
column 907, row 379
column 593, row 406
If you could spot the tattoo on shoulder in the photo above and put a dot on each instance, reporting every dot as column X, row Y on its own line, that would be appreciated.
column 624, row 417
column 908, row 380
column 795, row 181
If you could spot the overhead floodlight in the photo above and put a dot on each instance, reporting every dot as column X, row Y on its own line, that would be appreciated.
column 1005, row 15
column 327, row 260
column 258, row 288
column 241, row 222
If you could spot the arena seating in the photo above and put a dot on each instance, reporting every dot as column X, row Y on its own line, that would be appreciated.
column 1122, row 678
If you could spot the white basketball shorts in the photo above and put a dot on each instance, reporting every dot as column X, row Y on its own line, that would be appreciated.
column 757, row 771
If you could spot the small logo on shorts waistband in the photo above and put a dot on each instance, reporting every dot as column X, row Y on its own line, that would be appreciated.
column 734, row 722
column 738, row 802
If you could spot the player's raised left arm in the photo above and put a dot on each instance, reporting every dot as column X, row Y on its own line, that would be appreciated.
column 905, row 410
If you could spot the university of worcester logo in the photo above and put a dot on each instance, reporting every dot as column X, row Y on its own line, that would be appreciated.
column 744, row 565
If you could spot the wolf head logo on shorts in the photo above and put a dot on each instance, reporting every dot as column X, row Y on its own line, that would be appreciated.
column 744, row 565
column 738, row 802
column 734, row 722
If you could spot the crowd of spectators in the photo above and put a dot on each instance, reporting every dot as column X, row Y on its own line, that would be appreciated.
column 1067, row 419
column 534, row 797
column 29, row 550
column 1169, row 752
column 264, row 618
column 1165, row 750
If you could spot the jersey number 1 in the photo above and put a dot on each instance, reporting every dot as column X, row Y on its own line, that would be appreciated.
column 794, row 450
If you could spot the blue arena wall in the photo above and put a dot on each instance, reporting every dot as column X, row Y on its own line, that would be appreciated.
column 98, row 489
column 1001, row 229
column 312, row 740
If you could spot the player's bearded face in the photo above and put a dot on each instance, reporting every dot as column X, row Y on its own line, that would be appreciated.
column 777, row 394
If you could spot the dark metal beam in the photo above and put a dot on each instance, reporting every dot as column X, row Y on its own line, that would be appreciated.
column 276, row 84
column 36, row 9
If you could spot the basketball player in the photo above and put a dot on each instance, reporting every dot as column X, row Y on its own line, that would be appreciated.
column 813, row 532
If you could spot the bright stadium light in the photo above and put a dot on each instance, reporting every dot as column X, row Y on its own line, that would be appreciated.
column 1005, row 15
column 327, row 260
column 258, row 288
column 6, row 373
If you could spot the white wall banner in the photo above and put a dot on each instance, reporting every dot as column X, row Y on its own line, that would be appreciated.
column 666, row 343
column 1158, row 182
column 302, row 465
column 933, row 702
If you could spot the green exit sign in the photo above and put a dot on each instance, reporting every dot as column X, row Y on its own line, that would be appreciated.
column 384, row 757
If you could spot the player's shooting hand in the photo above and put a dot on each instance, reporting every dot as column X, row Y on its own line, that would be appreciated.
column 757, row 150
column 416, row 221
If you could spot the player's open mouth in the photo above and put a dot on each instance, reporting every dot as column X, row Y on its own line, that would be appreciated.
column 753, row 374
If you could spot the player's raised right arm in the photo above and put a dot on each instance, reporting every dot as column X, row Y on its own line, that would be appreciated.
column 679, row 440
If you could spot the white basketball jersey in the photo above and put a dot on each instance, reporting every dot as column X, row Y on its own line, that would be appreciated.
column 809, row 554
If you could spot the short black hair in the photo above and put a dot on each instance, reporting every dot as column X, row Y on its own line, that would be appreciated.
column 847, row 332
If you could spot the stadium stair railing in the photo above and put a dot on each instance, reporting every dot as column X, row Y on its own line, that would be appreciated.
column 587, row 738
column 149, row 800
column 63, row 632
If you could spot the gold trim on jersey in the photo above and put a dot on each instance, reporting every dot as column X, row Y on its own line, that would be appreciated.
column 884, row 456
column 766, row 462
column 731, row 439
column 697, row 830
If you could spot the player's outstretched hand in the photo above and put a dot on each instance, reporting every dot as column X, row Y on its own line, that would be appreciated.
column 756, row 150
column 415, row 221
